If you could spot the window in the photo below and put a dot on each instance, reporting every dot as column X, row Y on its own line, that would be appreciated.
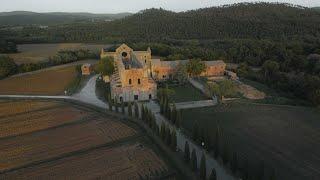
column 129, row 81
column 145, row 61
column 121, row 99
column 124, row 54
column 164, row 76
column 139, row 81
column 136, row 97
column 150, row 97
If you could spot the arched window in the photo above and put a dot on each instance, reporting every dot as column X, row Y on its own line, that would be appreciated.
column 129, row 81
column 139, row 81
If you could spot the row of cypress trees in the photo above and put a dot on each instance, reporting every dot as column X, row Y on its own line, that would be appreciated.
column 221, row 147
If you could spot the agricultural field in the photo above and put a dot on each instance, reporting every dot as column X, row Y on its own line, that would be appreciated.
column 54, row 139
column 32, row 53
column 125, row 162
column 284, row 137
column 48, row 82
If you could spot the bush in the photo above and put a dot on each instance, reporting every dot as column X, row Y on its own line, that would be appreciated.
column 7, row 66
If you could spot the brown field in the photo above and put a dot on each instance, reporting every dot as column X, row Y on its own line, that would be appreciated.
column 50, row 82
column 31, row 53
column 125, row 162
column 33, row 121
column 54, row 140
column 8, row 108
column 41, row 145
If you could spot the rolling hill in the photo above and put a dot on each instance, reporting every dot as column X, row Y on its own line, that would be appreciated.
column 27, row 17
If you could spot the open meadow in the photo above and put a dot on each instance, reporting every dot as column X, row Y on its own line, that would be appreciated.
column 47, row 82
column 32, row 53
column 286, row 138
column 56, row 140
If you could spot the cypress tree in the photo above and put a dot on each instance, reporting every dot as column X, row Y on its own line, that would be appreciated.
column 136, row 110
column 163, row 131
column 110, row 103
column 161, row 105
column 168, row 136
column 203, row 170
column 186, row 152
column 178, row 118
column 260, row 173
column 129, row 109
column 174, row 140
column 116, row 106
column 194, row 160
column 234, row 163
column 225, row 153
column 173, row 114
column 217, row 144
column 164, row 107
column 142, row 112
column 245, row 169
column 213, row 175
column 195, row 131
column 122, row 108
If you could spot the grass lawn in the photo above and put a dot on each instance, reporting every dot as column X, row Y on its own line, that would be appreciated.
column 284, row 137
column 186, row 93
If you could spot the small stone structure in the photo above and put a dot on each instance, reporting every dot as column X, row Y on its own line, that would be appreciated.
column 136, row 73
column 86, row 69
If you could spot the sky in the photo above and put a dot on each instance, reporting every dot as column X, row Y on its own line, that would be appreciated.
column 116, row 6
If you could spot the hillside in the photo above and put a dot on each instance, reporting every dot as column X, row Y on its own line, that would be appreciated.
column 238, row 21
column 262, row 20
column 27, row 18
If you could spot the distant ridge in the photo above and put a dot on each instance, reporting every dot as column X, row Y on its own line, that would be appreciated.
column 28, row 17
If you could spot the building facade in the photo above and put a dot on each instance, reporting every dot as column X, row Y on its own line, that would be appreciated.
column 136, row 73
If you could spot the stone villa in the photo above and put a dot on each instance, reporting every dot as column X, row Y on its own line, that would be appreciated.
column 136, row 73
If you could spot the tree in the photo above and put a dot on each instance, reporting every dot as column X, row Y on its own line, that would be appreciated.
column 178, row 119
column 122, row 108
column 234, row 163
column 106, row 66
column 222, row 88
column 136, row 110
column 174, row 140
column 194, row 160
column 203, row 171
column 195, row 67
column 195, row 132
column 181, row 73
column 168, row 136
column 213, row 175
column 110, row 103
column 186, row 152
column 116, row 106
column 269, row 68
column 163, row 131
column 173, row 114
column 129, row 109
column 7, row 66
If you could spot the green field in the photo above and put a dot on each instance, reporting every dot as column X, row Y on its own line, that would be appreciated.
column 186, row 93
column 284, row 137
